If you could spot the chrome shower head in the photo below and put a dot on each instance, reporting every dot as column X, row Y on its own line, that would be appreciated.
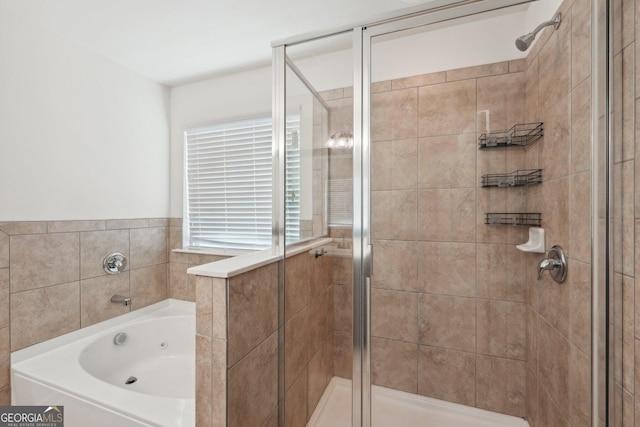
column 523, row 42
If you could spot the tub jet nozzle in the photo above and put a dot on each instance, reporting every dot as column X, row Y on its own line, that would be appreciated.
column 120, row 338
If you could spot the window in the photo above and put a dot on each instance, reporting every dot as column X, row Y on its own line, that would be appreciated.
column 228, row 190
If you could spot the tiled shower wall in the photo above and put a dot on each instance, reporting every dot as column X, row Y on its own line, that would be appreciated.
column 308, row 366
column 52, row 281
column 626, row 124
column 457, row 311
column 558, row 92
column 448, row 312
column 448, row 297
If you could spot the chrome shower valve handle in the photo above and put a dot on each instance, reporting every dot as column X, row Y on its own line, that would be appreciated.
column 555, row 264
column 114, row 263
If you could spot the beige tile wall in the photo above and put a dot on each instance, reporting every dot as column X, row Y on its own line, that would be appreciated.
column 211, row 351
column 52, row 280
column 448, row 297
column 457, row 310
column 308, row 352
column 237, row 343
column 253, row 346
column 626, row 211
column 558, row 315
column 237, row 348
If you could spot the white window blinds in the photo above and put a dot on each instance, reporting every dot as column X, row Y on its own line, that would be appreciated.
column 340, row 202
column 228, row 185
column 292, row 184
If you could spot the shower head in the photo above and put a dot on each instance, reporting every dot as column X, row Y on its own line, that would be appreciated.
column 523, row 42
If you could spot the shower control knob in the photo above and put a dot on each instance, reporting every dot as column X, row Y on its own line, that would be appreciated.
column 555, row 264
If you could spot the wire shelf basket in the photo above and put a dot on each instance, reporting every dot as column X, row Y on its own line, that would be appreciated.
column 519, row 178
column 532, row 219
column 520, row 135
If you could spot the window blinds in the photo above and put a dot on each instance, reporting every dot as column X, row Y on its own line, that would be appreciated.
column 340, row 202
column 292, row 185
column 229, row 185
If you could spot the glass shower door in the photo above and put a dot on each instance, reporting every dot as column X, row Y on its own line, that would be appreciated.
column 461, row 144
column 457, row 311
column 316, row 295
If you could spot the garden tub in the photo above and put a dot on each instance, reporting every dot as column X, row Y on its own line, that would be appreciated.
column 137, row 369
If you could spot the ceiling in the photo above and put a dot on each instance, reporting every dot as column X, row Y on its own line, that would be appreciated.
column 179, row 41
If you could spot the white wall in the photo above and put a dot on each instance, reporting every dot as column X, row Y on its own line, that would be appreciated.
column 80, row 136
column 237, row 96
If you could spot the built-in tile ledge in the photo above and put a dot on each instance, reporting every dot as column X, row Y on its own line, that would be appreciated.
column 236, row 265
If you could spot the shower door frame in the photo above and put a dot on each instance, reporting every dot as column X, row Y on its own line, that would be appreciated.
column 363, row 249
column 602, row 347
column 439, row 11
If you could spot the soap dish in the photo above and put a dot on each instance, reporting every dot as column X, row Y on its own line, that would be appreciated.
column 536, row 241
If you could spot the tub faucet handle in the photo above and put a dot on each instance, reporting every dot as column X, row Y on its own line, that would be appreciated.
column 114, row 263
column 119, row 299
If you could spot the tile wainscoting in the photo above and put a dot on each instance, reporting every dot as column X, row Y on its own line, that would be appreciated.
column 52, row 281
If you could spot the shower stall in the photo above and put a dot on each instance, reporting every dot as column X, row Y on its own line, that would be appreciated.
column 423, row 150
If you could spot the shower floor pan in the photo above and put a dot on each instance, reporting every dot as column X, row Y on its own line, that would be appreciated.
column 397, row 408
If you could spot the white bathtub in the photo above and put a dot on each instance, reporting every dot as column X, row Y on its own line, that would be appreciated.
column 86, row 372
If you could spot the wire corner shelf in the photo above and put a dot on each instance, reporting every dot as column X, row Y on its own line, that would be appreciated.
column 518, row 178
column 532, row 219
column 520, row 135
